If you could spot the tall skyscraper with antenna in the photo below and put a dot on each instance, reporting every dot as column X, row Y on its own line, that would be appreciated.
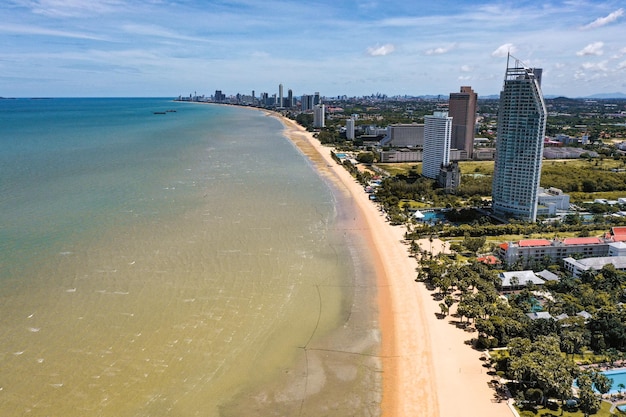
column 519, row 143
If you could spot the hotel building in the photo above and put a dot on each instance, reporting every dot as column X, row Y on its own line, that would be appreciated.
column 437, row 137
column 519, row 144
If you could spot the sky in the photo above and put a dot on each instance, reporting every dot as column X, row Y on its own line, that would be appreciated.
column 166, row 48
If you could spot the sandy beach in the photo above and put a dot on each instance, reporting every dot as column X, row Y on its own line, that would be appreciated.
column 428, row 369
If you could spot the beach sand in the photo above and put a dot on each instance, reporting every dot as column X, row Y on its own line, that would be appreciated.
column 428, row 369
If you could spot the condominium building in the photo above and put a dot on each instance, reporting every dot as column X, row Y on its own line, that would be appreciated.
column 307, row 102
column 350, row 129
column 280, row 96
column 437, row 136
column 462, row 109
column 519, row 144
column 319, row 116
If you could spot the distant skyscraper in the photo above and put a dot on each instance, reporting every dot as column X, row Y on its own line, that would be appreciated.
column 316, row 98
column 307, row 102
column 437, row 137
column 280, row 95
column 519, row 143
column 319, row 116
column 462, row 108
column 289, row 99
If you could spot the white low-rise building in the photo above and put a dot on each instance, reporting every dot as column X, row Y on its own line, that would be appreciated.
column 577, row 266
column 554, row 196
column 514, row 280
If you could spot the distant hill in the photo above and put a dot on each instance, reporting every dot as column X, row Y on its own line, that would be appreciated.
column 607, row 95
column 601, row 96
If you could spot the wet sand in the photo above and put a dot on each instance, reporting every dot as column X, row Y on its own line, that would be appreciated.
column 428, row 369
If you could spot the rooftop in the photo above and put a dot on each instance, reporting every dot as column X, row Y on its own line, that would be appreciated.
column 534, row 242
column 582, row 240
column 523, row 278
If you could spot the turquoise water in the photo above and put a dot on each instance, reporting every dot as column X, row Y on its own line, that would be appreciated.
column 619, row 377
column 434, row 216
column 186, row 263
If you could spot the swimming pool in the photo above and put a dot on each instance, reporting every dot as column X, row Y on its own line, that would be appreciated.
column 619, row 377
column 434, row 216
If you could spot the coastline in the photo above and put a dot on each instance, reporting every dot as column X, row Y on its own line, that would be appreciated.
column 427, row 367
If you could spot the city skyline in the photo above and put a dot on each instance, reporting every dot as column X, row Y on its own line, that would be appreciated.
column 104, row 48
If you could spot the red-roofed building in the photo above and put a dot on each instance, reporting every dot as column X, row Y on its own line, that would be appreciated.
column 489, row 260
column 534, row 242
column 582, row 241
column 618, row 231
column 529, row 251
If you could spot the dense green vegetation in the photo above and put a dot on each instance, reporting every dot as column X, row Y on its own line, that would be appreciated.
column 540, row 352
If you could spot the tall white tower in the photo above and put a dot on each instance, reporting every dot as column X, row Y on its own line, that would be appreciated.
column 519, row 143
column 280, row 96
column 319, row 116
column 350, row 129
column 437, row 139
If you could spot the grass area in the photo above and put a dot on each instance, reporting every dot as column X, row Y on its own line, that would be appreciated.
column 607, row 195
column 560, row 235
column 476, row 167
column 401, row 168
column 556, row 411
column 587, row 358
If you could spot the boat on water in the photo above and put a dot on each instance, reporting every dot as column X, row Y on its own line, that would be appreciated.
column 159, row 112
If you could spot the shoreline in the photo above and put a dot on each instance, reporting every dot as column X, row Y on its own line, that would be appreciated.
column 427, row 367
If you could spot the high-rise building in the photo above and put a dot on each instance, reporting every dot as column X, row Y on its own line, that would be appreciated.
column 462, row 108
column 319, row 116
column 519, row 143
column 289, row 99
column 437, row 137
column 350, row 129
column 316, row 98
column 307, row 102
column 280, row 96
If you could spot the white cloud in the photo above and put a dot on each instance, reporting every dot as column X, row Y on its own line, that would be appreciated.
column 503, row 50
column 157, row 31
column 466, row 68
column 602, row 21
column 592, row 49
column 440, row 50
column 621, row 65
column 71, row 8
column 619, row 54
column 40, row 31
column 382, row 50
column 599, row 66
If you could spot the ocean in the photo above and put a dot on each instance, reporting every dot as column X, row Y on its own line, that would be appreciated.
column 191, row 263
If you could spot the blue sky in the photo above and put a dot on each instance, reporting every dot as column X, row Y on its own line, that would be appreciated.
column 103, row 48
